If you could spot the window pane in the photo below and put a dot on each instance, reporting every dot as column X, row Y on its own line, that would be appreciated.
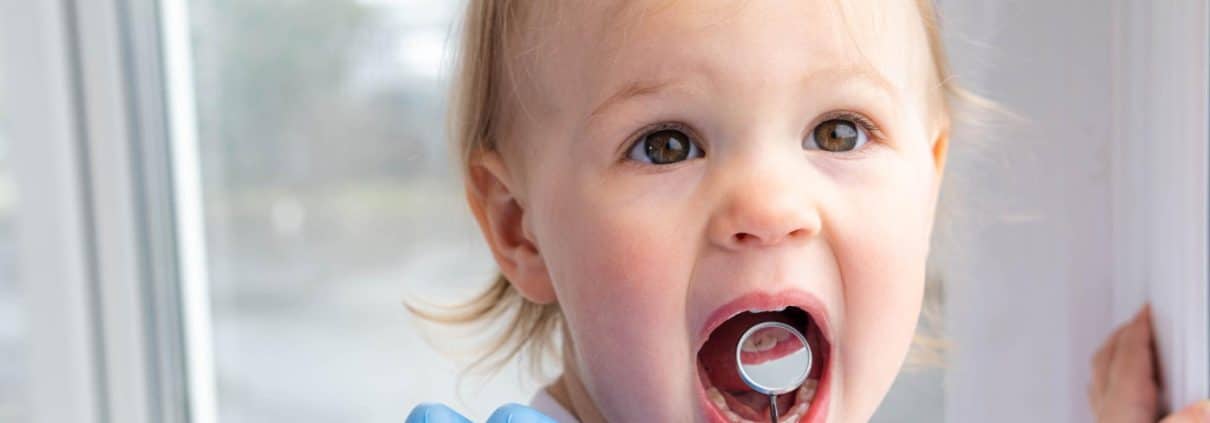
column 330, row 197
column 13, row 374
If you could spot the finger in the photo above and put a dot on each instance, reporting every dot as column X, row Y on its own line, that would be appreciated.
column 434, row 413
column 1104, row 354
column 1100, row 364
column 1131, row 362
column 1130, row 392
column 1156, row 370
column 517, row 413
column 1199, row 412
column 1094, row 398
column 1100, row 369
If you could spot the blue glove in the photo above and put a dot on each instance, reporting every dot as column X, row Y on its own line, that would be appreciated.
column 507, row 413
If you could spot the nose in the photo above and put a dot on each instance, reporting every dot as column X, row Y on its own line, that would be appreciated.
column 763, row 211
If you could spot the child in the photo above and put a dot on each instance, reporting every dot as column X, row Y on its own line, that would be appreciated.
column 653, row 177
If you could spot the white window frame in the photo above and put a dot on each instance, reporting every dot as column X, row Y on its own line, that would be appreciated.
column 110, row 246
column 53, row 262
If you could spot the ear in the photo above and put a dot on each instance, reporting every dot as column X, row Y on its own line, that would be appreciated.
column 489, row 192
column 941, row 144
column 941, row 147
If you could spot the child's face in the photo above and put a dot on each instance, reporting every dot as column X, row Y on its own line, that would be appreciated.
column 678, row 164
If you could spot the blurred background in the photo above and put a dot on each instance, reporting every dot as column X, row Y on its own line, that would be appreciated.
column 309, row 137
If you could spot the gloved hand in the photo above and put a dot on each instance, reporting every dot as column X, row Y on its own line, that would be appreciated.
column 507, row 413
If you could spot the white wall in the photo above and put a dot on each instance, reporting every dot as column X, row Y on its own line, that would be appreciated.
column 1029, row 299
column 1162, row 189
column 1068, row 219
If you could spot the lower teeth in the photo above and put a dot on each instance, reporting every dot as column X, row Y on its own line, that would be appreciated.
column 805, row 395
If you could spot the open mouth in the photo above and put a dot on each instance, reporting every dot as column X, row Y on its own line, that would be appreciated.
column 726, row 391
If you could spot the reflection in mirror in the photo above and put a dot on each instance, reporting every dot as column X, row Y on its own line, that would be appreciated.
column 773, row 358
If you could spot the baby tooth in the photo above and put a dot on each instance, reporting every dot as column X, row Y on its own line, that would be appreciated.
column 758, row 343
column 801, row 396
column 798, row 408
column 791, row 418
column 769, row 344
column 764, row 343
column 808, row 393
column 732, row 416
column 716, row 397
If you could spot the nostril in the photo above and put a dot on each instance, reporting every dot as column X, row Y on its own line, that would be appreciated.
column 745, row 238
column 742, row 238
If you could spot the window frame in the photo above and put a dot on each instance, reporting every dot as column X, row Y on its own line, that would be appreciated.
column 52, row 243
column 113, row 270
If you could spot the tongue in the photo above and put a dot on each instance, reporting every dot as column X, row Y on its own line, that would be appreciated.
column 718, row 355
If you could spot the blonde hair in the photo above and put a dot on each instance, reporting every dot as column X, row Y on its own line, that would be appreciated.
column 478, row 115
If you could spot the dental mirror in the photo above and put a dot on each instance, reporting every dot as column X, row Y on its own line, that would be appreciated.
column 773, row 358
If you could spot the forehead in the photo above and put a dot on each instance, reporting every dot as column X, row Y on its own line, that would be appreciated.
column 585, row 52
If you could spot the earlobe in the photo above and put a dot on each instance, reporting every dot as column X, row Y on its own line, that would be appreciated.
column 501, row 217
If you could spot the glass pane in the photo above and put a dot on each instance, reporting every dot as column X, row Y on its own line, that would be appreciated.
column 329, row 197
column 13, row 374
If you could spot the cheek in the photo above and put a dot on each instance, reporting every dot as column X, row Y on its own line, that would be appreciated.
column 621, row 280
column 615, row 261
column 883, row 248
column 617, row 257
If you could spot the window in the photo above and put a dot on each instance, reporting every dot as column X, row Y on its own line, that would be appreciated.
column 328, row 198
column 12, row 317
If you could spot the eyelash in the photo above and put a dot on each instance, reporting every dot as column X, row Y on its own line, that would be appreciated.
column 872, row 130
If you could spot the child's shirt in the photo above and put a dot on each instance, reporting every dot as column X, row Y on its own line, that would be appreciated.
column 547, row 405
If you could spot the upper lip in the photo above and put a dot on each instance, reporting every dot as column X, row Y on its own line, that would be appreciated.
column 767, row 301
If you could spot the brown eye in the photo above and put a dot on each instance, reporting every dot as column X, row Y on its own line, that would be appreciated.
column 665, row 146
column 836, row 135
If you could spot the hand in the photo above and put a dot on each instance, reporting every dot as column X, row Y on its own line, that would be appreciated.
column 1125, row 387
column 508, row 413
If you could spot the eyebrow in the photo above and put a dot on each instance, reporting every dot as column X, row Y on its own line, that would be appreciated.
column 629, row 91
column 839, row 74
